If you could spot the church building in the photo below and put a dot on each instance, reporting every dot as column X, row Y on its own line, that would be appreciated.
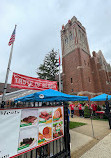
column 83, row 73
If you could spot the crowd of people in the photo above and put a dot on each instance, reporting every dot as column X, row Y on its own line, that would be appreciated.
column 81, row 107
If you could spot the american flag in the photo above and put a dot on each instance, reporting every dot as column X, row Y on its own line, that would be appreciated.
column 12, row 39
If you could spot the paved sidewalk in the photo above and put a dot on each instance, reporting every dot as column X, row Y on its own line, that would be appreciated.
column 78, row 140
column 100, row 150
column 82, row 137
column 101, row 128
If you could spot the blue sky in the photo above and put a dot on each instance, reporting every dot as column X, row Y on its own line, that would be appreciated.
column 38, row 30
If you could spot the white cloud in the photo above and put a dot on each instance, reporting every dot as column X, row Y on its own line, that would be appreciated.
column 38, row 29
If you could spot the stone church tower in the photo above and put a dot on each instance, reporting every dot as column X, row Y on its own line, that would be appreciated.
column 79, row 68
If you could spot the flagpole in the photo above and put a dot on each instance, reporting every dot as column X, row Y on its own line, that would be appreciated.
column 6, row 78
column 59, row 74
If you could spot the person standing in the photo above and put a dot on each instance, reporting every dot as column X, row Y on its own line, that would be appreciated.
column 94, row 108
column 83, row 110
column 80, row 109
column 72, row 109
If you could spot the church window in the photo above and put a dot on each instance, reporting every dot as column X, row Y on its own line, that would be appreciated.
column 89, row 79
column 85, row 41
column 66, row 40
column 107, row 76
column 71, row 80
column 83, row 37
column 70, row 36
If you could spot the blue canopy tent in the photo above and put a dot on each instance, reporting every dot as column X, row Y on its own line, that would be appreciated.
column 50, row 95
column 102, row 97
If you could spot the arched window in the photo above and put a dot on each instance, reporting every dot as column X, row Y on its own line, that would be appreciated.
column 70, row 36
column 66, row 40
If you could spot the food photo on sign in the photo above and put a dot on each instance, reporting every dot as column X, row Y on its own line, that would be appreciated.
column 45, row 116
column 45, row 133
column 57, row 129
column 57, row 114
column 27, row 138
column 29, row 117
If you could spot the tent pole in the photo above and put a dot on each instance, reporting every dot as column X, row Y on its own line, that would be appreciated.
column 92, row 126
column 91, row 121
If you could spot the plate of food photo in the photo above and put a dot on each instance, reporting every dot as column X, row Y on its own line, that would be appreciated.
column 45, row 116
column 29, row 117
column 57, row 129
column 27, row 142
column 45, row 134
column 57, row 114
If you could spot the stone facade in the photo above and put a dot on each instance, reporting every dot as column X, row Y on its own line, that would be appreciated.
column 82, row 73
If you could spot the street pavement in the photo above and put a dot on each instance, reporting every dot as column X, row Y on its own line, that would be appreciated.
column 82, row 137
column 101, row 149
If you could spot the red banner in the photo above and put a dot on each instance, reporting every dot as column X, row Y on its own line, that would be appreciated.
column 26, row 82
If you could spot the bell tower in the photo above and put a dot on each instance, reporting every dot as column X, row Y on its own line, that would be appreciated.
column 73, row 35
column 75, row 57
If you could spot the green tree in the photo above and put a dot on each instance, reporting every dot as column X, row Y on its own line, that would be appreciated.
column 49, row 69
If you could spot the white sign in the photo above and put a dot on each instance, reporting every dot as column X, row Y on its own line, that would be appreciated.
column 22, row 130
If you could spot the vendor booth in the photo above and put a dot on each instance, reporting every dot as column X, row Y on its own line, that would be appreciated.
column 50, row 95
column 39, row 130
column 107, row 112
column 102, row 97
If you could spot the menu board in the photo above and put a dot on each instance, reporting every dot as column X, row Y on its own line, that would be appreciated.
column 22, row 130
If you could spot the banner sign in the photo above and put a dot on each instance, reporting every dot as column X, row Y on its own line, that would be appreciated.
column 22, row 130
column 26, row 82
